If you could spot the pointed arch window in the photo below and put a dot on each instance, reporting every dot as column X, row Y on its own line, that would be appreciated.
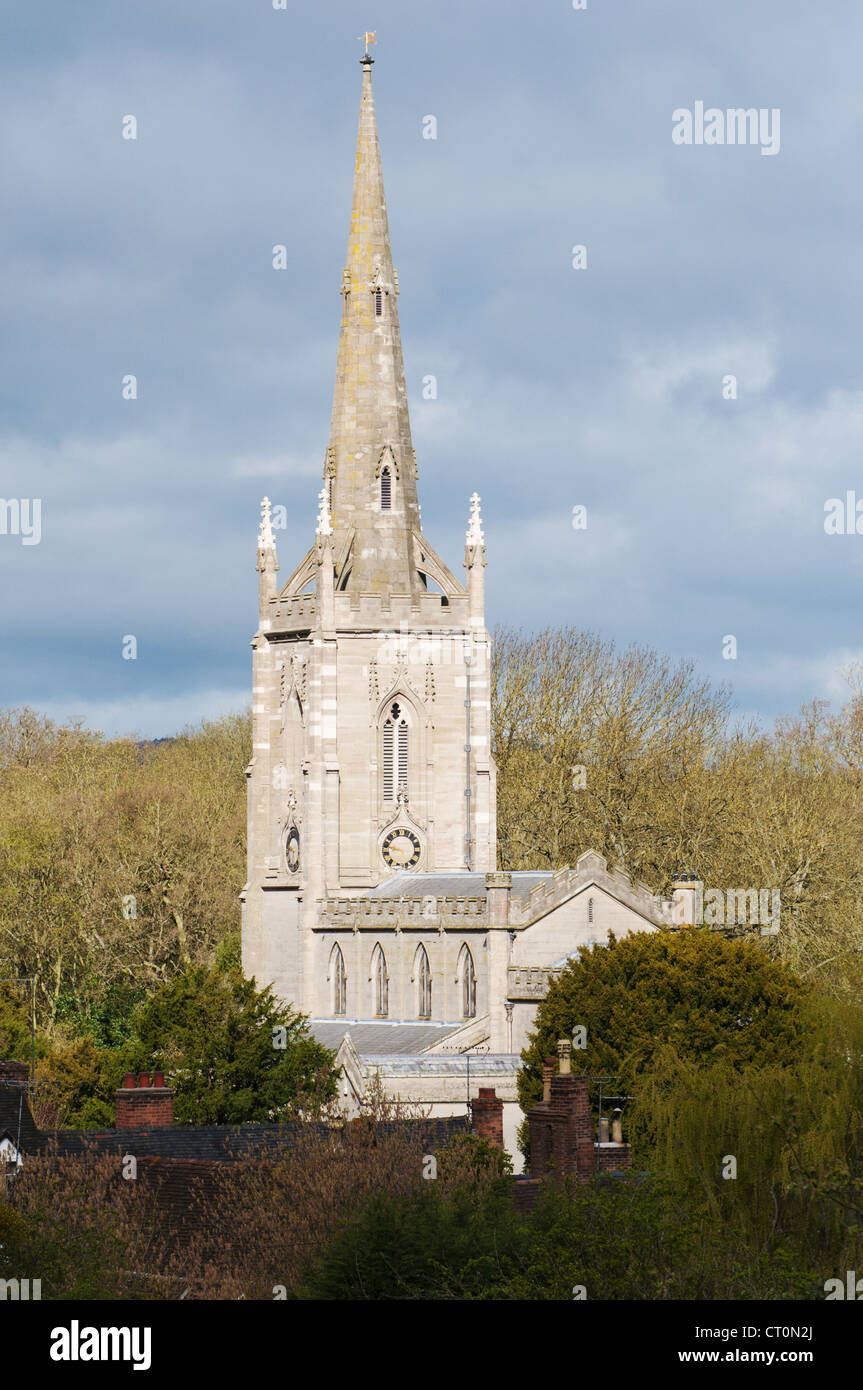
column 468, row 984
column 424, row 984
column 379, row 303
column 380, row 983
column 386, row 490
column 339, row 981
column 396, row 753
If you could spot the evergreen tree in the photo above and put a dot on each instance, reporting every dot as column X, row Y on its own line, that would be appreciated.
column 233, row 1052
column 710, row 997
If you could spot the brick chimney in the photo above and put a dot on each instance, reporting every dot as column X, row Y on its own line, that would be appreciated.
column 562, row 1135
column 141, row 1105
column 487, row 1116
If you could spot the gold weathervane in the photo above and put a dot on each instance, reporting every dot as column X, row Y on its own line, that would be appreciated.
column 367, row 38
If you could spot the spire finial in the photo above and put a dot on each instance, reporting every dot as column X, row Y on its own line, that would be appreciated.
column 324, row 526
column 266, row 539
column 474, row 531
column 368, row 37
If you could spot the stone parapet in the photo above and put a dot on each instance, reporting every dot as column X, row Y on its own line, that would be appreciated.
column 374, row 913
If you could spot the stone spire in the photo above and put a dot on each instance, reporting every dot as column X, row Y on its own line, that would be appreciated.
column 370, row 432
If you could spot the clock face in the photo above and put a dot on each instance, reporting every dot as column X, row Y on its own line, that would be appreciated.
column 292, row 851
column 401, row 849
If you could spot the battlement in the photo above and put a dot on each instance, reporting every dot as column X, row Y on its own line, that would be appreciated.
column 292, row 614
column 374, row 913
column 362, row 612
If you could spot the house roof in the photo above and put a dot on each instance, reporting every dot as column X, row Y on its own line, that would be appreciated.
column 15, row 1116
column 219, row 1143
column 216, row 1143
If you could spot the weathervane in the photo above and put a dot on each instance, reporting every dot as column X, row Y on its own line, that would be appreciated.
column 368, row 37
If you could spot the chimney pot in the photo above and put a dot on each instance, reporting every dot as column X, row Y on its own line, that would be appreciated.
column 564, row 1052
column 547, row 1074
column 135, row 1110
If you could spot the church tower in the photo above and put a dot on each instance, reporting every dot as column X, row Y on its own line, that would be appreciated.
column 371, row 697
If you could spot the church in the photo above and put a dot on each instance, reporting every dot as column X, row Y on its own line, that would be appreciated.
column 374, row 903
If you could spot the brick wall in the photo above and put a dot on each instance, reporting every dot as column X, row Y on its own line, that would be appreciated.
column 562, row 1135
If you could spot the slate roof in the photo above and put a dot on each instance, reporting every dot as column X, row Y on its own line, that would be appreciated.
column 215, row 1143
column 481, row 1064
column 208, row 1144
column 455, row 885
column 380, row 1037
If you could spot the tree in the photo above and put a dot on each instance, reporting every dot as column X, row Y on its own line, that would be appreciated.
column 101, row 847
column 233, row 1052
column 709, row 997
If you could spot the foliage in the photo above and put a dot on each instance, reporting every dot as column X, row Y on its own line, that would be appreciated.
column 708, row 996
column 81, row 1229
column 794, row 1132
column 233, row 1052
column 673, row 784
column 75, row 1087
column 631, row 1238
column 120, row 862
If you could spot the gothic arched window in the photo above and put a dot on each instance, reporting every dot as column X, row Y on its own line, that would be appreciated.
column 379, row 303
column 380, row 983
column 386, row 490
column 395, row 753
column 424, row 984
column 339, row 981
column 590, row 909
column 468, row 983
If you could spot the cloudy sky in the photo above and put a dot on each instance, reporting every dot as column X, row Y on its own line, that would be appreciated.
column 558, row 387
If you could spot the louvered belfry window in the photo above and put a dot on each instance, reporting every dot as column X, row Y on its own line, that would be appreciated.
column 386, row 491
column 379, row 303
column 395, row 753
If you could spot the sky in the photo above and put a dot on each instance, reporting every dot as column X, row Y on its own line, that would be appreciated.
column 596, row 380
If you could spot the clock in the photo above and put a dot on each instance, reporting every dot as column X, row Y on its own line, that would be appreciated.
column 401, row 849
